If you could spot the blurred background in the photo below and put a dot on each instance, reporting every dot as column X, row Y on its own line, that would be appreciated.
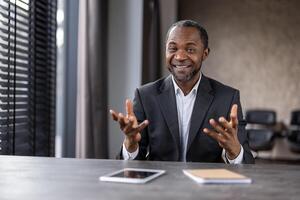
column 106, row 49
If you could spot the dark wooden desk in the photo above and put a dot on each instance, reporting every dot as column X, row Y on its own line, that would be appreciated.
column 37, row 178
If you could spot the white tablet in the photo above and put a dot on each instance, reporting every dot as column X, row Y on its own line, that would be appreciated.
column 132, row 175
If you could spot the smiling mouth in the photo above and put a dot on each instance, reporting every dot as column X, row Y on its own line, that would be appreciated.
column 181, row 66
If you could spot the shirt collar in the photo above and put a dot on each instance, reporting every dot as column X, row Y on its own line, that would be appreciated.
column 194, row 89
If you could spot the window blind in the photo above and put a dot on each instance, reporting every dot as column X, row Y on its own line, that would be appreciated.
column 27, row 77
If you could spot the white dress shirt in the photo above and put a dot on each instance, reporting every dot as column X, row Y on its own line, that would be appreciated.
column 185, row 104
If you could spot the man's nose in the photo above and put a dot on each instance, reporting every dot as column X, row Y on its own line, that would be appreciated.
column 180, row 55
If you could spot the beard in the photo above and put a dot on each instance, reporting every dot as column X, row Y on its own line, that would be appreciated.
column 184, row 77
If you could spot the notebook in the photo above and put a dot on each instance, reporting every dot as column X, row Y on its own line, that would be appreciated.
column 216, row 176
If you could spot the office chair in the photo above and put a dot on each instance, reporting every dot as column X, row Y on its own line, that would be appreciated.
column 294, row 132
column 260, row 129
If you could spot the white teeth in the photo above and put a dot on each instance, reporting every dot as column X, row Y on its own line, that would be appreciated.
column 181, row 66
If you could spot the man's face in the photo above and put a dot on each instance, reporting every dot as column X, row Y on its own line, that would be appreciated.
column 185, row 53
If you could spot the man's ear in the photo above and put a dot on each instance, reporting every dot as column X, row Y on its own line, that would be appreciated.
column 205, row 53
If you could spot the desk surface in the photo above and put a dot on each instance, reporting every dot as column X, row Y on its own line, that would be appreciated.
column 38, row 178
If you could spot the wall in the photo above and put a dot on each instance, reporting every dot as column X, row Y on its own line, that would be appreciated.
column 124, row 60
column 254, row 47
column 168, row 15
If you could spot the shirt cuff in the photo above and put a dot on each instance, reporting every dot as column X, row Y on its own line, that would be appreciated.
column 127, row 155
column 237, row 160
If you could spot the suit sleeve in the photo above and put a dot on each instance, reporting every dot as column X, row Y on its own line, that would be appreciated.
column 242, row 133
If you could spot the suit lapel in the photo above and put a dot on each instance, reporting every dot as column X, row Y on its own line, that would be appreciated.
column 167, row 101
column 202, row 103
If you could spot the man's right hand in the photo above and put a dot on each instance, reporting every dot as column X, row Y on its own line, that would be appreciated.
column 130, row 127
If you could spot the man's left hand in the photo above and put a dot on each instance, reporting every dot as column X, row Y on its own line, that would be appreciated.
column 225, row 133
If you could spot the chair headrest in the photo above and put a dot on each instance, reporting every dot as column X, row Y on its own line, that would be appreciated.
column 295, row 118
column 266, row 117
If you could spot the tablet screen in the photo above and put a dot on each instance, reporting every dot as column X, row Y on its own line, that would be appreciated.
column 134, row 174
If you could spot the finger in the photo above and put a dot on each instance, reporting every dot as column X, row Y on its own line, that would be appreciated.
column 128, row 128
column 121, row 120
column 114, row 115
column 125, row 118
column 233, row 116
column 129, row 107
column 216, row 136
column 227, row 125
column 217, row 127
column 138, row 129
column 142, row 125
column 138, row 137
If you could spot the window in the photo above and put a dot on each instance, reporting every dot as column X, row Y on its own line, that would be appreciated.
column 27, row 77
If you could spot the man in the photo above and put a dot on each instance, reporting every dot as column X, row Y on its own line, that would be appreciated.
column 185, row 116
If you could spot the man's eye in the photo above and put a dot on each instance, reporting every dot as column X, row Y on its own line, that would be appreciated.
column 172, row 49
column 191, row 50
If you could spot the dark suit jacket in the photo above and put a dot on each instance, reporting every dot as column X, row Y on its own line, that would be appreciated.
column 160, row 140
